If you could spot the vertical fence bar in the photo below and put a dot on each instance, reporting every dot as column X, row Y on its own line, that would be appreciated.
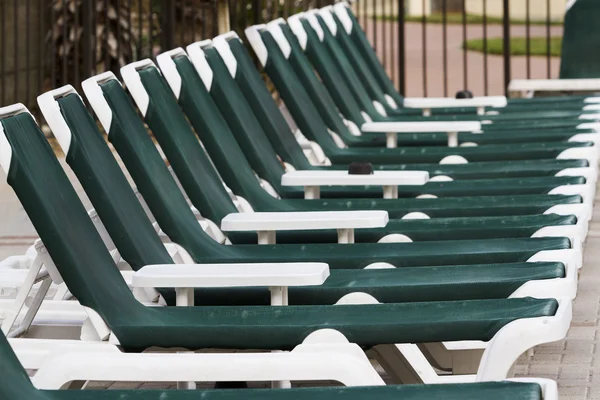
column 3, row 53
column 27, row 56
column 464, row 40
column 528, row 37
column 140, row 30
column 94, row 36
column 106, row 36
column 182, row 26
column 129, row 31
column 374, row 23
column 167, row 19
column 16, row 47
column 424, row 48
column 86, row 39
column 485, row 50
column 401, row 48
column 150, row 29
column 506, row 47
column 118, row 33
column 386, row 24
column 445, row 44
column 41, row 60
column 52, row 47
column 548, row 34
column 76, row 43
column 65, row 42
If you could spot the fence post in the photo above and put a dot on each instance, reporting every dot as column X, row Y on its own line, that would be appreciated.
column 87, row 10
column 401, row 48
column 506, row 44
column 167, row 25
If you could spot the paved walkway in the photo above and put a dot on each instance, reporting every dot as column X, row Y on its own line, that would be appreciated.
column 574, row 362
column 388, row 52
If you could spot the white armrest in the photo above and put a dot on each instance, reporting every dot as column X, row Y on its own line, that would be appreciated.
column 417, row 127
column 291, row 221
column 449, row 102
column 230, row 275
column 554, row 85
column 343, row 178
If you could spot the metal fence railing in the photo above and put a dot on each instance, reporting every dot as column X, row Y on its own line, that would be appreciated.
column 431, row 55
column 45, row 44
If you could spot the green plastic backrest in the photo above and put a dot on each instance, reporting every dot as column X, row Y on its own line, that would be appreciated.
column 242, row 121
column 337, row 62
column 318, row 93
column 366, row 50
column 335, row 79
column 14, row 381
column 292, row 92
column 63, row 224
column 357, row 62
column 215, row 134
column 190, row 162
column 150, row 173
column 581, row 44
column 270, row 117
column 108, row 189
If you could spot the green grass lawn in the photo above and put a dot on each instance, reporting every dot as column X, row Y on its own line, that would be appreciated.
column 456, row 18
column 518, row 46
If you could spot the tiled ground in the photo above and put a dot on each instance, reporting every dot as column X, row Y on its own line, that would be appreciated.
column 575, row 361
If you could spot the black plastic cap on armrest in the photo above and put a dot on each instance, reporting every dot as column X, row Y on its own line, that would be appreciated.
column 464, row 94
column 360, row 168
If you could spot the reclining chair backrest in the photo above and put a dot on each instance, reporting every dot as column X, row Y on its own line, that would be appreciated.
column 241, row 119
column 311, row 42
column 61, row 220
column 214, row 134
column 305, row 97
column 328, row 58
column 358, row 64
column 580, row 56
column 102, row 179
column 353, row 29
column 264, row 106
column 167, row 122
column 291, row 90
column 149, row 171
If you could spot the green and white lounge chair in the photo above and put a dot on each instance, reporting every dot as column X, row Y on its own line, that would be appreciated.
column 71, row 365
column 91, row 275
column 358, row 75
column 265, row 161
column 288, row 65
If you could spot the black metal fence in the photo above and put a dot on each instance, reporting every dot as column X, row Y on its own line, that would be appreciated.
column 428, row 54
column 46, row 44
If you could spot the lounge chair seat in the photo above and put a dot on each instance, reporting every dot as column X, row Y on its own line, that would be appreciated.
column 284, row 327
column 457, row 282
